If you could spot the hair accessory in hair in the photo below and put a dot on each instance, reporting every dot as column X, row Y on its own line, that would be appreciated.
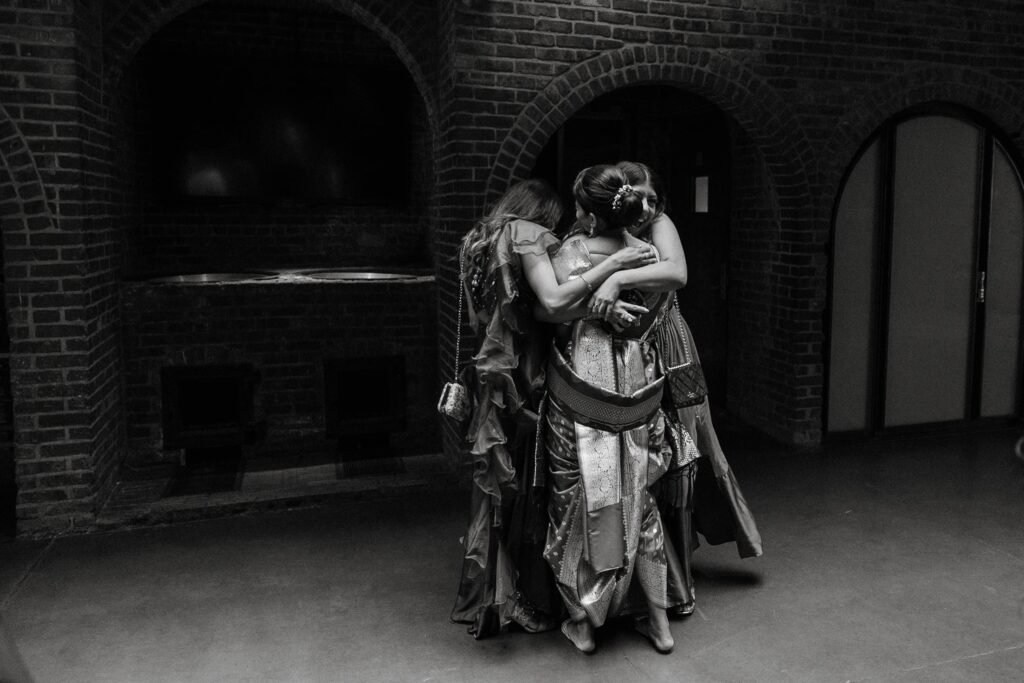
column 619, row 194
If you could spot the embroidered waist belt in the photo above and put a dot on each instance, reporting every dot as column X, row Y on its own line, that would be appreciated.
column 595, row 406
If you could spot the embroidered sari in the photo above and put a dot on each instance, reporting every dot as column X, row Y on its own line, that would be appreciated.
column 622, row 461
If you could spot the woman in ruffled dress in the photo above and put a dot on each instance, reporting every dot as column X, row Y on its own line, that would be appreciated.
column 506, row 272
column 620, row 424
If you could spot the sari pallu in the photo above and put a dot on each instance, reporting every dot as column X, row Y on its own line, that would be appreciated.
column 719, row 510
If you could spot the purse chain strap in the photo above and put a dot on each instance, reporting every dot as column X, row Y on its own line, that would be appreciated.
column 458, row 315
column 685, row 337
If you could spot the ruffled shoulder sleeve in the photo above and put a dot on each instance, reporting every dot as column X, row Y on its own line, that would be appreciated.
column 530, row 238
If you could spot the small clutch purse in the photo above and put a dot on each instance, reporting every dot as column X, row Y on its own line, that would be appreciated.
column 684, row 383
column 454, row 401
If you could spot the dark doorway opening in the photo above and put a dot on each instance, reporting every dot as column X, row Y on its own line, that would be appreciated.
column 208, row 413
column 364, row 403
column 687, row 140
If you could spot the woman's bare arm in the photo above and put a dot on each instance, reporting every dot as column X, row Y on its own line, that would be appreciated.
column 557, row 298
column 581, row 309
column 667, row 275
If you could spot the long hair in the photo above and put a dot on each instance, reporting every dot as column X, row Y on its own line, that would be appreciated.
column 532, row 200
column 639, row 173
column 604, row 191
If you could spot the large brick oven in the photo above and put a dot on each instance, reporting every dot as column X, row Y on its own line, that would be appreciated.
column 498, row 91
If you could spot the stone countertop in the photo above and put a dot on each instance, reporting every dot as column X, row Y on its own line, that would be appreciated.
column 346, row 276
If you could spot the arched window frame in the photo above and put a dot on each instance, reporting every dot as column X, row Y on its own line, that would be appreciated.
column 879, row 316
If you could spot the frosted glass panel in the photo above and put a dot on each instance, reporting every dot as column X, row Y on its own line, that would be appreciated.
column 1001, row 368
column 700, row 194
column 853, row 272
column 936, row 163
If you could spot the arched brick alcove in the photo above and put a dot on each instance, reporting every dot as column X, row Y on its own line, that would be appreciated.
column 735, row 89
column 391, row 26
column 132, row 24
column 775, row 367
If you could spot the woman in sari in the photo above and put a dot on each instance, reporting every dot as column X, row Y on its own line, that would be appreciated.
column 505, row 272
column 614, row 431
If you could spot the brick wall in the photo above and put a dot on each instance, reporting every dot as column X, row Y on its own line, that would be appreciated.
column 47, row 266
column 96, row 208
column 805, row 82
column 8, row 487
column 458, row 200
column 64, row 230
column 286, row 330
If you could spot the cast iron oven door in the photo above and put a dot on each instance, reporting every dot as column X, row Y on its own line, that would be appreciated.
column 208, row 406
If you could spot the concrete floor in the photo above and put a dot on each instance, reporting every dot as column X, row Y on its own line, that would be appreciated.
column 888, row 561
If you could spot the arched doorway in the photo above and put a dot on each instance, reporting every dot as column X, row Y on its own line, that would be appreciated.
column 928, row 247
column 687, row 140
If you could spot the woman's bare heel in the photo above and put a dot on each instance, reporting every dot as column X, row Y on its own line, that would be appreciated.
column 580, row 634
column 655, row 628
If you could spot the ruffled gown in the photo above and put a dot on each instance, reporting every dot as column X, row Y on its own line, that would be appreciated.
column 505, row 536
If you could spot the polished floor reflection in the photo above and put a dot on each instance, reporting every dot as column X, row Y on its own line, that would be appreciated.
column 895, row 560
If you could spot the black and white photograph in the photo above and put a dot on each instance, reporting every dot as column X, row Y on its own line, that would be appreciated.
column 511, row 340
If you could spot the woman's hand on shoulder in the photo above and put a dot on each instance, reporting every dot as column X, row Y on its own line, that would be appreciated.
column 633, row 257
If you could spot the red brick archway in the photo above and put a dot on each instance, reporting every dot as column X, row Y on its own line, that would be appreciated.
column 27, row 186
column 735, row 89
column 776, row 305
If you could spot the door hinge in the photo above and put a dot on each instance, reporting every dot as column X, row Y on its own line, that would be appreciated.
column 980, row 289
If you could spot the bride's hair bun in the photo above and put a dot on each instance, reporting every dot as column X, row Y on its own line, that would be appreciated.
column 604, row 191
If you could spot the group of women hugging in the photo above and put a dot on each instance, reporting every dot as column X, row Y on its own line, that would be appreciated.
column 595, row 460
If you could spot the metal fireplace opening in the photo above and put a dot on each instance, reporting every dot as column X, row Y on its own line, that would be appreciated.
column 208, row 414
column 365, row 401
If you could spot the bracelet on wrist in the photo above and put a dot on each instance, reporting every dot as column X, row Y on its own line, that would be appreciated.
column 590, row 287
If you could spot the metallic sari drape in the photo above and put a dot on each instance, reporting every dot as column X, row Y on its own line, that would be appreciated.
column 625, row 502
column 606, row 543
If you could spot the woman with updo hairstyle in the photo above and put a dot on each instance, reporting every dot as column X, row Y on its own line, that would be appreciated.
column 613, row 434
column 505, row 273
column 604, row 191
